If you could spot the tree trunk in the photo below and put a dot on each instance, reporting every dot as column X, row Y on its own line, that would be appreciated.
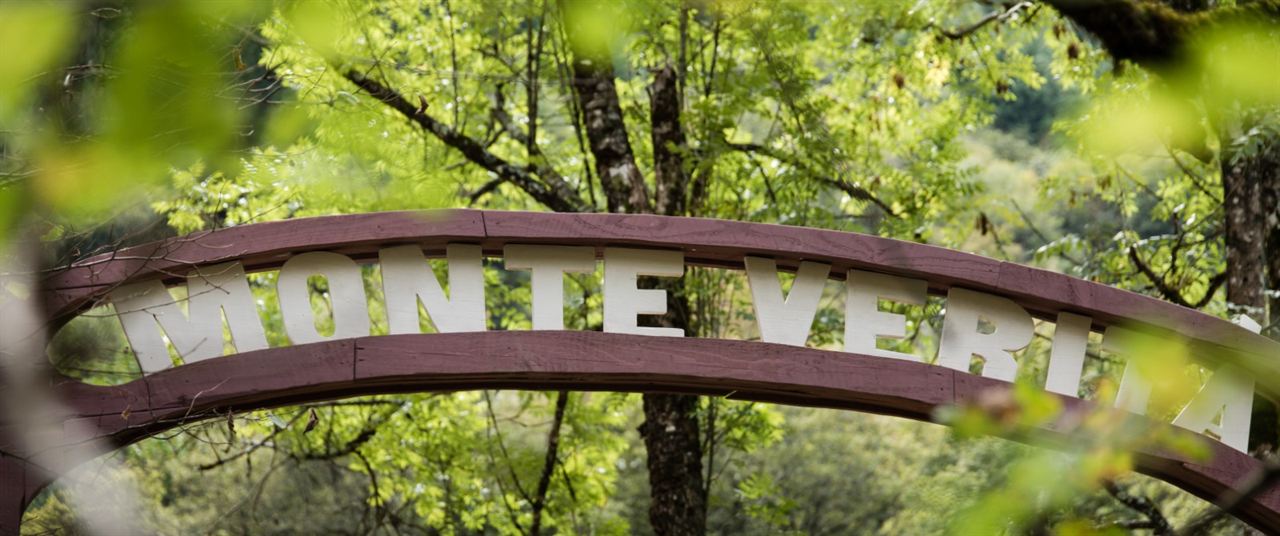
column 1260, row 171
column 671, row 434
column 668, row 142
column 1250, row 185
column 1266, row 168
column 670, row 429
column 1246, row 233
column 1157, row 37
column 606, row 130
column 678, row 501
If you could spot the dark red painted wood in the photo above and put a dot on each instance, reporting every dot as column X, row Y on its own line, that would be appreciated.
column 259, row 246
column 588, row 360
column 13, row 494
column 704, row 241
column 578, row 360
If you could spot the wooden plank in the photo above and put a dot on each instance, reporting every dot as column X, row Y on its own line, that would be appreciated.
column 588, row 360
column 133, row 410
column 584, row 361
column 599, row 361
column 13, row 495
column 258, row 246
column 720, row 242
column 704, row 241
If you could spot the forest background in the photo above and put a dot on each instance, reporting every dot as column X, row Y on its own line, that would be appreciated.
column 1131, row 142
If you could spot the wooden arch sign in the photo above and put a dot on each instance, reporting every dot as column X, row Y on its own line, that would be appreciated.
column 990, row 305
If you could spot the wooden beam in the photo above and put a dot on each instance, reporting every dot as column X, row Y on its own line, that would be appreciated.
column 589, row 361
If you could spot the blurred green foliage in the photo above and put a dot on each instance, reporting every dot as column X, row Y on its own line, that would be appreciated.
column 1019, row 140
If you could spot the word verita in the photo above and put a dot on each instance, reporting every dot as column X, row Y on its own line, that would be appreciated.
column 977, row 326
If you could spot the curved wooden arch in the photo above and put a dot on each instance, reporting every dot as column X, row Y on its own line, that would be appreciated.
column 587, row 360
column 707, row 242
column 579, row 360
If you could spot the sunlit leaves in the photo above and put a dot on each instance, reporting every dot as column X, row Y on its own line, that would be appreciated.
column 1233, row 66
column 41, row 32
column 319, row 25
column 764, row 502
column 867, row 94
column 93, row 348
column 597, row 28
column 1098, row 443
column 34, row 34
column 151, row 95
column 1130, row 121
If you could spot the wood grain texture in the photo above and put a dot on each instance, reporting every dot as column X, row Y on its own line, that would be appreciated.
column 704, row 242
column 597, row 361
column 20, row 482
column 579, row 360
column 258, row 246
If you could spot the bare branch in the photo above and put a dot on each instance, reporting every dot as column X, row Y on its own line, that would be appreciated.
column 854, row 191
column 961, row 33
column 550, row 463
column 555, row 193
column 1232, row 499
column 483, row 190
column 502, row 447
column 500, row 115
column 1158, row 523
column 1170, row 293
column 352, row 446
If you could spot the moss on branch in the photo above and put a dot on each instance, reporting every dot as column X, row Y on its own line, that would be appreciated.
column 1152, row 33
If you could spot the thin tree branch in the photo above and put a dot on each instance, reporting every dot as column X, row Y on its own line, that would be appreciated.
column 1170, row 293
column 854, row 191
column 555, row 193
column 502, row 447
column 531, row 84
column 265, row 441
column 961, row 33
column 1026, row 218
column 500, row 115
column 379, row 504
column 485, row 189
column 1160, row 284
column 349, row 448
column 1231, row 500
column 1196, row 178
column 709, row 444
column 492, row 431
column 549, row 465
column 1142, row 505
column 576, row 116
